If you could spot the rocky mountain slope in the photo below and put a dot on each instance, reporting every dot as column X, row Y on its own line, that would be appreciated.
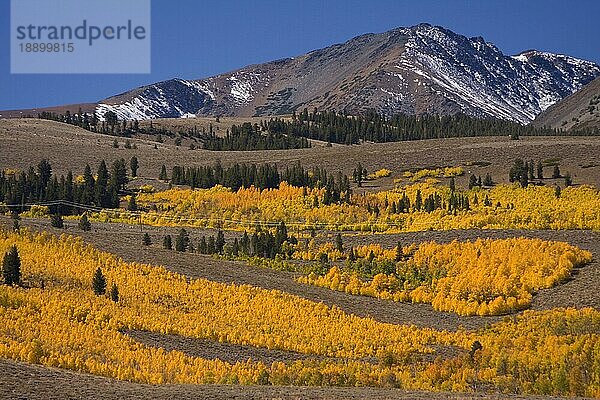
column 420, row 69
column 581, row 110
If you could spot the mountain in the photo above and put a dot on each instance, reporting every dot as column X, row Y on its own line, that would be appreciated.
column 578, row 111
column 415, row 70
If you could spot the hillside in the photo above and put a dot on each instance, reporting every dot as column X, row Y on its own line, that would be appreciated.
column 414, row 70
column 71, row 148
column 579, row 111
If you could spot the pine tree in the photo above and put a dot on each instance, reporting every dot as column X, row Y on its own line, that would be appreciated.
column 114, row 293
column 540, row 170
column 167, row 242
column 163, row 174
column 11, row 267
column 133, row 165
column 146, row 240
column 568, row 180
column 452, row 185
column 220, row 242
column 210, row 245
column 56, row 221
column 339, row 244
column 84, row 223
column 488, row 180
column 399, row 254
column 556, row 172
column 100, row 190
column 15, row 218
column 472, row 181
column 99, row 282
column 202, row 246
column 182, row 241
column 132, row 204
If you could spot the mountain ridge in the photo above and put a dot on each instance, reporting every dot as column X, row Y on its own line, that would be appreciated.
column 411, row 70
column 579, row 111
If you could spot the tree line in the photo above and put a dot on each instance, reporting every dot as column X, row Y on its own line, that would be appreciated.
column 253, row 137
column 262, row 176
column 39, row 184
column 264, row 244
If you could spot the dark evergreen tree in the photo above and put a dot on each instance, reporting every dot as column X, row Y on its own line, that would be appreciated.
column 556, row 172
column 182, row 241
column 167, row 242
column 133, row 165
column 84, row 223
column 99, row 282
column 202, row 246
column 56, row 221
column 132, row 204
column 11, row 267
column 220, row 242
column 146, row 240
column 114, row 293
column 339, row 244
column 399, row 254
column 101, row 198
column 163, row 174
column 488, row 180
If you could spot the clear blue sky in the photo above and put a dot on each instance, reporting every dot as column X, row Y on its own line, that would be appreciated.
column 198, row 38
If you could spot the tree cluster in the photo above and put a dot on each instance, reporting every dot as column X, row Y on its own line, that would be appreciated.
column 38, row 184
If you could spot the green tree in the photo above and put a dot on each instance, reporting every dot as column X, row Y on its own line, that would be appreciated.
column 220, row 242
column 11, row 267
column 99, row 282
column 100, row 190
column 114, row 293
column 568, row 180
column 111, row 119
column 167, row 242
column 56, row 221
column 134, row 165
column 182, row 240
column 118, row 174
column 452, row 185
column 540, row 170
column 488, row 181
column 163, row 173
column 339, row 244
column 146, row 240
column 84, row 223
column 556, row 172
column 399, row 253
column 132, row 204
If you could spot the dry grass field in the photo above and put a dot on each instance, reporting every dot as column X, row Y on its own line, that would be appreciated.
column 23, row 142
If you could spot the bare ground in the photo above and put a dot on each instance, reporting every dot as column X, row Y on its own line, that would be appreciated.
column 210, row 349
column 20, row 381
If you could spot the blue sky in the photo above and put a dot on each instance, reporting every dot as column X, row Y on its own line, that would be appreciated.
column 198, row 38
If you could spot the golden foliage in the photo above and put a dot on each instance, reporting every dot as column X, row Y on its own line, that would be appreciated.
column 381, row 173
column 484, row 277
column 512, row 207
column 56, row 320
column 447, row 172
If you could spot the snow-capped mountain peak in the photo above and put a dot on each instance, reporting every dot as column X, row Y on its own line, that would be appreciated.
column 419, row 69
